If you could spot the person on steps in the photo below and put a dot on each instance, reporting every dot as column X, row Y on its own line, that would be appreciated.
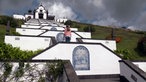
column 67, row 33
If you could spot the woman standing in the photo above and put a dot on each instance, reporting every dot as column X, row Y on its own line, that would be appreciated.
column 67, row 33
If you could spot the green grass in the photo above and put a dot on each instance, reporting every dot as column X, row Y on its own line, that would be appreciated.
column 3, row 32
column 128, row 42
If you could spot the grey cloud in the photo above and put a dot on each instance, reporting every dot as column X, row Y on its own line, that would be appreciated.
column 14, row 5
column 124, row 10
column 101, row 12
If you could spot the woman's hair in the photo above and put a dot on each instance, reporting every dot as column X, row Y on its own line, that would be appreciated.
column 68, row 28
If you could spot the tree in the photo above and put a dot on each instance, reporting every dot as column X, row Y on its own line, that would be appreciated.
column 89, row 28
column 13, row 22
column 68, row 22
column 141, row 45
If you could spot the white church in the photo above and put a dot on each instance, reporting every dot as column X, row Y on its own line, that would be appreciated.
column 92, row 60
column 39, row 13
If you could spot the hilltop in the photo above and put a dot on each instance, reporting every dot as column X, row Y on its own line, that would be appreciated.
column 128, row 38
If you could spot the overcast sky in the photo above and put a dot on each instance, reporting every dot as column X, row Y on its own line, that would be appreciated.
column 131, row 13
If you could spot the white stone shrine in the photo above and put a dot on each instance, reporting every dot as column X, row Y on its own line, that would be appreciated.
column 39, row 13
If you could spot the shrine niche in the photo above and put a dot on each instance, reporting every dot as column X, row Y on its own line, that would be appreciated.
column 81, row 59
column 53, row 29
column 60, row 37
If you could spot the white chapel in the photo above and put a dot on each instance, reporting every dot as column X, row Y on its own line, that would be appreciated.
column 39, row 13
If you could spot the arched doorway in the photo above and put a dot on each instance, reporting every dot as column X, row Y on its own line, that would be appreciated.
column 41, row 15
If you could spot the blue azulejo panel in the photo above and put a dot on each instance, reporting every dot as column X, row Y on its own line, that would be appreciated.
column 53, row 29
column 81, row 58
column 60, row 37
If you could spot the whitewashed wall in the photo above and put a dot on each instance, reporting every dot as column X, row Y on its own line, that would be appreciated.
column 36, row 26
column 28, row 15
column 29, row 24
column 25, row 31
column 54, row 24
column 28, row 43
column 73, row 35
column 49, row 27
column 84, row 34
column 141, row 65
column 45, row 27
column 16, row 16
column 44, row 24
column 128, row 73
column 74, row 29
column 102, row 61
column 58, row 28
column 111, row 44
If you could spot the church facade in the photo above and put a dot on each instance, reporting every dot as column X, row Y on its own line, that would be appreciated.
column 39, row 13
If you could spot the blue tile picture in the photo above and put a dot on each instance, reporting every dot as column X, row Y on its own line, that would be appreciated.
column 53, row 29
column 81, row 58
column 60, row 37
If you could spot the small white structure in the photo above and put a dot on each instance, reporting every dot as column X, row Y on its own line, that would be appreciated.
column 62, row 20
column 26, row 31
column 141, row 65
column 29, row 16
column 111, row 44
column 29, row 42
column 132, row 72
column 86, row 58
column 16, row 16
column 59, row 35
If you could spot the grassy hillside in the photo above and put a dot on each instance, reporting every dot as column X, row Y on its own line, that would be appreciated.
column 128, row 41
column 13, row 24
column 3, row 32
column 127, row 44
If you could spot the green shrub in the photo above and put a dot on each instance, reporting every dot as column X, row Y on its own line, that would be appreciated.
column 89, row 29
column 68, row 22
column 75, row 26
column 7, row 52
column 141, row 45
column 125, row 54
column 7, row 70
column 15, row 33
column 55, row 69
column 13, row 22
